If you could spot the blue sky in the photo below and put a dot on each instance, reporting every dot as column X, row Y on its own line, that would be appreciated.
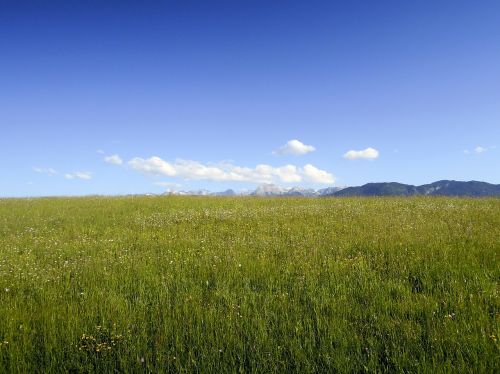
column 207, row 94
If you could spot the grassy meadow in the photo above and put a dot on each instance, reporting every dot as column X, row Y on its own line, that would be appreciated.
column 249, row 285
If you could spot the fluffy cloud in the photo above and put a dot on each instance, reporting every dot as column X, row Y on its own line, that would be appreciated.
column 366, row 154
column 479, row 149
column 315, row 175
column 85, row 175
column 227, row 172
column 294, row 147
column 114, row 159
column 153, row 166
column 48, row 171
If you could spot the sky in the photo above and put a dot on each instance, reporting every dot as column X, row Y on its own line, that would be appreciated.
column 125, row 97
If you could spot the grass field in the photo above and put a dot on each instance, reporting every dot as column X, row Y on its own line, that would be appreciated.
column 191, row 284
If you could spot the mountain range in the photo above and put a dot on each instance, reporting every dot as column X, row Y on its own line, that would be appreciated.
column 439, row 188
column 262, row 190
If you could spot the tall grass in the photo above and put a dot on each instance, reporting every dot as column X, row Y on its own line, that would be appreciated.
column 187, row 284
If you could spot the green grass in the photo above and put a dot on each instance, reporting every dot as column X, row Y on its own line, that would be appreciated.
column 186, row 284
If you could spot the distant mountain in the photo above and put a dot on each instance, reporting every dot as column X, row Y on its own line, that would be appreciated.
column 379, row 189
column 440, row 188
column 299, row 191
column 454, row 188
column 329, row 191
column 274, row 190
column 188, row 193
column 224, row 193
column 269, row 190
column 262, row 190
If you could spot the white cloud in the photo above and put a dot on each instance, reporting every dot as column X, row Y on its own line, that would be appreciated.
column 85, row 175
column 100, row 151
column 295, row 147
column 48, row 171
column 153, row 166
column 315, row 175
column 480, row 149
column 366, row 154
column 114, row 159
column 227, row 172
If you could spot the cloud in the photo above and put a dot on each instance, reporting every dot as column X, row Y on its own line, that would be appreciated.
column 227, row 172
column 480, row 149
column 315, row 175
column 366, row 154
column 85, row 175
column 294, row 147
column 100, row 151
column 48, row 171
column 114, row 159
column 153, row 166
